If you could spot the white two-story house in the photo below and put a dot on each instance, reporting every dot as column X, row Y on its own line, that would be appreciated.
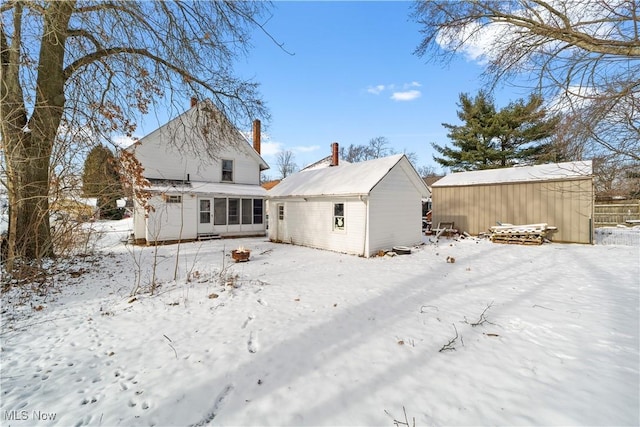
column 204, row 176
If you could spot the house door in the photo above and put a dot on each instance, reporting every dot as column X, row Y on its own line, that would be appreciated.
column 205, row 216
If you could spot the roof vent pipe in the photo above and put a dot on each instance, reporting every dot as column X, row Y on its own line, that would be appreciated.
column 334, row 154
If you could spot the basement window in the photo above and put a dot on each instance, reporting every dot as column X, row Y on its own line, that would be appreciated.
column 338, row 216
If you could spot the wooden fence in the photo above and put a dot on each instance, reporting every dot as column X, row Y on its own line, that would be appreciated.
column 614, row 213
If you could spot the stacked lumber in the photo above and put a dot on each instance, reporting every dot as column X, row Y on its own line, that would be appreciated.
column 527, row 234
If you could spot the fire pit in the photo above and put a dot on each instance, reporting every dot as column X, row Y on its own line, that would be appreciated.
column 241, row 254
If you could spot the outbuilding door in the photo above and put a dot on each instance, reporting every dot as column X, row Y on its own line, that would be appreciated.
column 279, row 213
column 205, row 215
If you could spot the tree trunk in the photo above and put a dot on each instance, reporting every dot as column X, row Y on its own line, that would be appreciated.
column 28, row 144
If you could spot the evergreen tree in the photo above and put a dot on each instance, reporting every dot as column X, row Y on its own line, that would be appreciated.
column 489, row 139
column 101, row 179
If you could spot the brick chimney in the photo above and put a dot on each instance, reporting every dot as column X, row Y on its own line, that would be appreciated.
column 256, row 135
column 334, row 154
column 194, row 101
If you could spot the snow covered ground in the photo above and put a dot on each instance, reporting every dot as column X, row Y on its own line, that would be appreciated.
column 503, row 335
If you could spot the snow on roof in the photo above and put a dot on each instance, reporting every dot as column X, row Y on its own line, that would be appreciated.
column 548, row 172
column 324, row 163
column 225, row 189
column 344, row 179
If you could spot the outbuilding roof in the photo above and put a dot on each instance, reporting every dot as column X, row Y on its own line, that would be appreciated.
column 343, row 180
column 547, row 172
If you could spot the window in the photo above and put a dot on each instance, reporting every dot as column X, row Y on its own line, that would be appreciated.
column 227, row 170
column 257, row 211
column 173, row 199
column 219, row 211
column 205, row 211
column 247, row 212
column 281, row 212
column 234, row 211
column 338, row 216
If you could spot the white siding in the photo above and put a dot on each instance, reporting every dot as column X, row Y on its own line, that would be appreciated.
column 163, row 161
column 159, row 155
column 395, row 209
column 310, row 223
column 139, row 221
column 172, row 221
column 383, row 207
column 179, row 221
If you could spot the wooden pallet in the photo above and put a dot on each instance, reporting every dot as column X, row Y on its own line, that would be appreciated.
column 445, row 228
column 528, row 234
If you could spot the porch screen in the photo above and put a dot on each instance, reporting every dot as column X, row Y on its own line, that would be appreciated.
column 219, row 211
column 257, row 211
column 234, row 211
column 246, row 211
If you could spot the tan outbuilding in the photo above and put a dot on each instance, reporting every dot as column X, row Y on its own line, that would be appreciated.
column 559, row 194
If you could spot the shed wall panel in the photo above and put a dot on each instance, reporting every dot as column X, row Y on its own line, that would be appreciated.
column 567, row 205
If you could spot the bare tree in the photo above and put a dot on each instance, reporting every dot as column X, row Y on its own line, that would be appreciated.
column 354, row 153
column 379, row 147
column 427, row 170
column 286, row 164
column 583, row 54
column 95, row 66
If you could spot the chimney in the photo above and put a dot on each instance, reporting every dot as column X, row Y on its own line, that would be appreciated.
column 334, row 154
column 256, row 135
column 194, row 101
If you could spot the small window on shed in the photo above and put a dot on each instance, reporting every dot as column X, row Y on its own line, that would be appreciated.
column 281, row 212
column 227, row 170
column 338, row 216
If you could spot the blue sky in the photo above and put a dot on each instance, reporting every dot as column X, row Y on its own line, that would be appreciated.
column 352, row 76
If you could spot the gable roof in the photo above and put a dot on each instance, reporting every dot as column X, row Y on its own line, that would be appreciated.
column 205, row 112
column 547, row 172
column 343, row 180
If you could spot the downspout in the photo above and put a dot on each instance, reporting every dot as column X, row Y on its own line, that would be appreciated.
column 365, row 250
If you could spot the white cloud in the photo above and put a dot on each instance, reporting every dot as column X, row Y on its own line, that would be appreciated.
column 399, row 92
column 305, row 148
column 124, row 141
column 482, row 43
column 478, row 43
column 270, row 148
column 408, row 95
column 574, row 98
column 376, row 90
